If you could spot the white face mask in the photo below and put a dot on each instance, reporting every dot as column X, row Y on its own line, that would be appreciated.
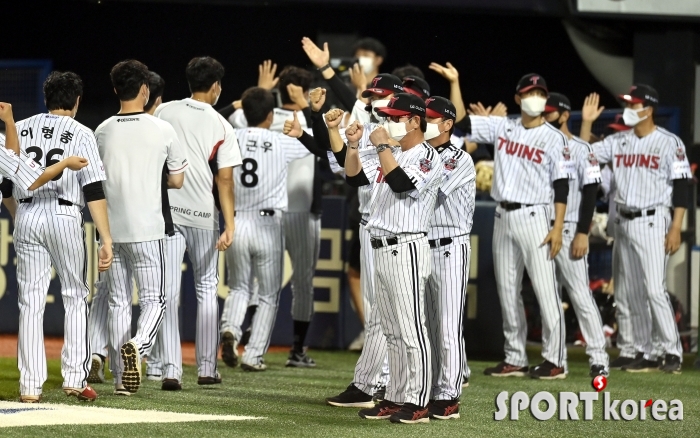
column 432, row 131
column 397, row 130
column 379, row 104
column 367, row 64
column 533, row 106
column 631, row 116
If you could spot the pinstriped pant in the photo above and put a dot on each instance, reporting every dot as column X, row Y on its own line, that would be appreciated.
column 400, row 276
column 372, row 367
column 302, row 232
column 49, row 234
column 445, row 298
column 517, row 244
column 145, row 262
column 258, row 246
column 641, row 262
column 201, row 249
column 573, row 275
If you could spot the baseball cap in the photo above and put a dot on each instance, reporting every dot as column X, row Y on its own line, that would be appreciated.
column 557, row 102
column 383, row 84
column 437, row 106
column 641, row 93
column 416, row 85
column 530, row 81
column 618, row 125
column 403, row 104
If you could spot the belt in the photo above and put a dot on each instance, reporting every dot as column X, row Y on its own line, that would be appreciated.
column 566, row 222
column 510, row 206
column 390, row 241
column 440, row 242
column 363, row 222
column 263, row 213
column 60, row 201
column 635, row 214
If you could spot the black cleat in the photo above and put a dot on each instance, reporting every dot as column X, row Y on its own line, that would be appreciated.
column 206, row 380
column 672, row 364
column 621, row 361
column 379, row 394
column 598, row 370
column 547, row 371
column 382, row 411
column 443, row 409
column 299, row 360
column 171, row 385
column 642, row 365
column 229, row 349
column 131, row 376
column 411, row 414
column 506, row 370
column 352, row 397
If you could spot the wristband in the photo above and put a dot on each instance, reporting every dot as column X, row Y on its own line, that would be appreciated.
column 381, row 147
column 324, row 68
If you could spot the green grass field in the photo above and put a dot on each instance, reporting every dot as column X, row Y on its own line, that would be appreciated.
column 292, row 400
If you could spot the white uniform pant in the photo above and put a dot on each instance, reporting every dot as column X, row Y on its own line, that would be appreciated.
column 446, row 293
column 517, row 244
column 641, row 264
column 573, row 275
column 98, row 327
column 257, row 249
column 302, row 233
column 400, row 276
column 47, row 234
column 145, row 262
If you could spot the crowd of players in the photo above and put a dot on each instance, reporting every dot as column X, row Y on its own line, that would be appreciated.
column 147, row 175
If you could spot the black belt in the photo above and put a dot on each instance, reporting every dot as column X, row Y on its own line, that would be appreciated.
column 60, row 201
column 510, row 206
column 566, row 222
column 635, row 214
column 263, row 213
column 363, row 222
column 440, row 242
column 390, row 241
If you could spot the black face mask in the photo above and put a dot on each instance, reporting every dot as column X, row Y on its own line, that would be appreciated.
column 368, row 108
column 557, row 124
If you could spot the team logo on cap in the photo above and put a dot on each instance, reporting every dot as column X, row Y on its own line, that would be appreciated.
column 450, row 164
column 429, row 100
column 391, row 101
column 534, row 80
column 375, row 81
column 425, row 165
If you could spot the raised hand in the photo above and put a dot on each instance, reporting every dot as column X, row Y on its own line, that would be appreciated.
column 477, row 109
column 266, row 75
column 447, row 71
column 334, row 117
column 318, row 57
column 292, row 127
column 358, row 77
column 354, row 132
column 5, row 112
column 318, row 98
column 500, row 110
column 379, row 136
column 591, row 111
column 296, row 94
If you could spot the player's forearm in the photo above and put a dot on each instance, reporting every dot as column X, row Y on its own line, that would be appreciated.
column 336, row 139
column 11, row 206
column 50, row 173
column 387, row 161
column 226, row 201
column 456, row 98
column 559, row 213
column 678, row 214
column 11, row 138
column 585, row 133
column 98, row 211
column 175, row 181
column 353, row 164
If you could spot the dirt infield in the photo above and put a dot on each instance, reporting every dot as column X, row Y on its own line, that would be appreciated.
column 8, row 348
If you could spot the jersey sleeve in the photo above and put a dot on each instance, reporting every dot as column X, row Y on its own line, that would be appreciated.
column 588, row 167
column 458, row 169
column 560, row 166
column 485, row 128
column 28, row 171
column 370, row 165
column 8, row 161
column 95, row 170
column 229, row 152
column 177, row 156
column 677, row 161
column 420, row 171
column 603, row 149
column 292, row 148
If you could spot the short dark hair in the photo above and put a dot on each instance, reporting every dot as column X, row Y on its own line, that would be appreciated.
column 203, row 72
column 128, row 77
column 156, row 86
column 407, row 70
column 293, row 75
column 62, row 89
column 257, row 104
column 370, row 44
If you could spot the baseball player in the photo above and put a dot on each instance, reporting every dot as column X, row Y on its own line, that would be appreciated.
column 49, row 232
column 571, row 262
column 134, row 146
column 530, row 172
column 208, row 140
column 651, row 171
column 450, row 249
column 259, row 236
column 98, row 326
column 405, row 183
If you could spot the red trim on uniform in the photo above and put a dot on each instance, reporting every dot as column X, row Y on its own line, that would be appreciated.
column 432, row 113
column 216, row 149
column 177, row 170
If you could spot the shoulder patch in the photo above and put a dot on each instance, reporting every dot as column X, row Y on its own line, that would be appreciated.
column 680, row 154
column 450, row 163
column 425, row 165
column 592, row 159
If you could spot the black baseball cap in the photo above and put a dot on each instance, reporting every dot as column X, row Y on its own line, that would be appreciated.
column 416, row 85
column 403, row 104
column 557, row 102
column 530, row 81
column 437, row 106
column 383, row 84
column 641, row 93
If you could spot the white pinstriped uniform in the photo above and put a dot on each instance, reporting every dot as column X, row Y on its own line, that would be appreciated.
column 51, row 234
column 403, row 269
column 21, row 170
column 134, row 148
column 258, row 241
column 447, row 285
column 302, row 228
column 644, row 169
column 573, row 273
column 527, row 161
column 206, row 137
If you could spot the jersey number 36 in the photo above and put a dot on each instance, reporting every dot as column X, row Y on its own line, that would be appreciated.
column 50, row 160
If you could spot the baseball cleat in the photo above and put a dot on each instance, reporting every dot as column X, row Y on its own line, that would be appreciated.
column 254, row 367
column 379, row 394
column 598, row 370
column 352, row 397
column 547, row 371
column 131, row 377
column 465, row 382
column 154, row 377
column 443, row 409
column 672, row 364
column 29, row 398
column 229, row 349
column 82, row 394
column 642, row 366
column 203, row 380
column 171, row 385
column 621, row 361
column 120, row 390
column 299, row 360
column 97, row 370
column 382, row 411
column 506, row 370
column 411, row 414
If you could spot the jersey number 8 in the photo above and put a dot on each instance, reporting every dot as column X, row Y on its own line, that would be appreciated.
column 50, row 160
column 248, row 176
